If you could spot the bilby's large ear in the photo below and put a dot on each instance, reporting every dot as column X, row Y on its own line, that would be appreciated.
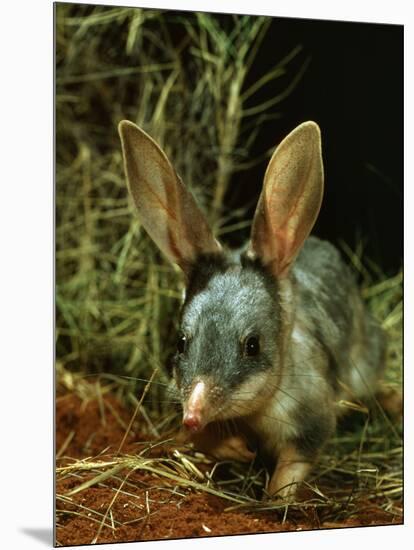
column 166, row 209
column 290, row 200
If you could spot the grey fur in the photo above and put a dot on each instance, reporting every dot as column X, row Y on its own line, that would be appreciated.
column 334, row 342
column 236, row 302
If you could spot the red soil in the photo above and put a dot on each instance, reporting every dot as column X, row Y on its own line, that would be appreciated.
column 149, row 508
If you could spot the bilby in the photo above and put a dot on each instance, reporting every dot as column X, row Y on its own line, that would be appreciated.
column 270, row 337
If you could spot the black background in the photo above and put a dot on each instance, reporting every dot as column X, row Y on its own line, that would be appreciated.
column 353, row 88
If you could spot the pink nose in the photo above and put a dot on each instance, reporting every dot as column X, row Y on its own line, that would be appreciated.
column 192, row 421
column 194, row 409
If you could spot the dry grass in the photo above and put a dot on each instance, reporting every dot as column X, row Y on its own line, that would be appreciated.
column 182, row 77
column 362, row 463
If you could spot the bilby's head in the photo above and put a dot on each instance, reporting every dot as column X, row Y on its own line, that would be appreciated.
column 229, row 348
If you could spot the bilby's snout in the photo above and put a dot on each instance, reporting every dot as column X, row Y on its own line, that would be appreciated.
column 195, row 414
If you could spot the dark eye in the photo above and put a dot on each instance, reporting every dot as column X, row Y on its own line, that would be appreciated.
column 181, row 343
column 251, row 346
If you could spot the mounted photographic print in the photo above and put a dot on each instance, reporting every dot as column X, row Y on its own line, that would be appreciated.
column 228, row 274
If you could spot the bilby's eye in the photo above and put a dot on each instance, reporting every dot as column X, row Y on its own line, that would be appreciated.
column 251, row 346
column 181, row 343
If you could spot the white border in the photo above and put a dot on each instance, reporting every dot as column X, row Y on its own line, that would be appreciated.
column 351, row 10
column 26, row 303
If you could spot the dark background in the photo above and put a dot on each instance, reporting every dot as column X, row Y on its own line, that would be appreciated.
column 353, row 88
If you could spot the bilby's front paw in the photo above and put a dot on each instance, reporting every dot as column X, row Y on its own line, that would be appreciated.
column 286, row 494
column 290, row 471
column 233, row 448
column 222, row 447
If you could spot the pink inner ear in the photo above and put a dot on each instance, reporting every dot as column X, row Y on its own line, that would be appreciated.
column 290, row 200
column 166, row 209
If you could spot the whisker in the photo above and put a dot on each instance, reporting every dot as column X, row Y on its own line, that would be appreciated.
column 270, row 417
column 123, row 377
column 156, row 400
column 301, row 403
column 232, row 426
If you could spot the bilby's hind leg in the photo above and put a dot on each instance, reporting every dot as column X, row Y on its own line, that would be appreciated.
column 391, row 401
